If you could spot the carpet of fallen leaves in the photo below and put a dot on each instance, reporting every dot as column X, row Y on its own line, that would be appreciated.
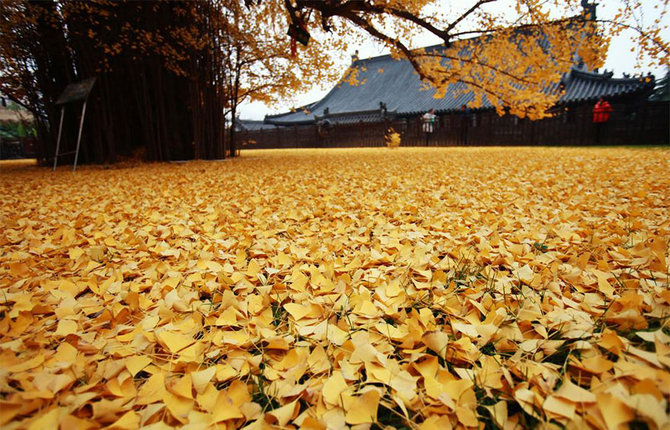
column 430, row 288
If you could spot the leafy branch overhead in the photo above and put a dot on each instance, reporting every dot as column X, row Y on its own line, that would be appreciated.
column 514, row 58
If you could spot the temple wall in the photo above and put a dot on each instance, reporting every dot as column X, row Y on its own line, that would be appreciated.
column 641, row 124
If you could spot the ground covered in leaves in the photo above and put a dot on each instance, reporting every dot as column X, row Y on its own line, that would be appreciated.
column 431, row 288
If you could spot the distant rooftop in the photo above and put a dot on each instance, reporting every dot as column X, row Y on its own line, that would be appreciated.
column 252, row 125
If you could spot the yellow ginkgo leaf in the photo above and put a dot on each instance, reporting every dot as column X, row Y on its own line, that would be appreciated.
column 202, row 378
column 129, row 420
column 333, row 388
column 136, row 363
column 225, row 408
column 437, row 341
column 363, row 409
column 174, row 342
column 283, row 415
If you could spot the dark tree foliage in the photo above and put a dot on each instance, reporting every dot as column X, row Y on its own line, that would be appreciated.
column 159, row 88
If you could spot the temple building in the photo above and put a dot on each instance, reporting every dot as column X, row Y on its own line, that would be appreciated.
column 390, row 94
column 391, row 89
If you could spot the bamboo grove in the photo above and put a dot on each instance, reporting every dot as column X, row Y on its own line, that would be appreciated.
column 140, row 96
column 170, row 75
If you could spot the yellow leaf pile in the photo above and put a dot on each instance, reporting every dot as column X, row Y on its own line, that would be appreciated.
column 433, row 288
column 392, row 138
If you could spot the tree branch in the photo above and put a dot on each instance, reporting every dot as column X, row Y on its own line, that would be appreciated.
column 642, row 34
column 467, row 13
column 482, row 64
column 328, row 9
column 442, row 34
column 367, row 26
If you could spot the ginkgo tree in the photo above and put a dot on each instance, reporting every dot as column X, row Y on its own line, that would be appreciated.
column 510, row 58
column 169, row 72
column 260, row 64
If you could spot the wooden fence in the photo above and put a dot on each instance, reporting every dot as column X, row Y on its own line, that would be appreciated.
column 648, row 124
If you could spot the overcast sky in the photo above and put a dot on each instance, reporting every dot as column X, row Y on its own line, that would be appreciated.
column 620, row 59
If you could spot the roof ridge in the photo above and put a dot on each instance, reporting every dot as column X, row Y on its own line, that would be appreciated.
column 610, row 75
column 358, row 112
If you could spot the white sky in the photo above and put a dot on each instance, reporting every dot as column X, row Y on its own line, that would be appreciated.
column 620, row 59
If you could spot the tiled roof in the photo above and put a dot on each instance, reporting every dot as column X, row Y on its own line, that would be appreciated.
column 252, row 125
column 582, row 86
column 355, row 117
column 395, row 83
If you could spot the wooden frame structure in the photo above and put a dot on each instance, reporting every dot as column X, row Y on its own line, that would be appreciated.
column 73, row 92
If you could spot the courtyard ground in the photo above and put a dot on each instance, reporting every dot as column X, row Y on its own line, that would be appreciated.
column 416, row 287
